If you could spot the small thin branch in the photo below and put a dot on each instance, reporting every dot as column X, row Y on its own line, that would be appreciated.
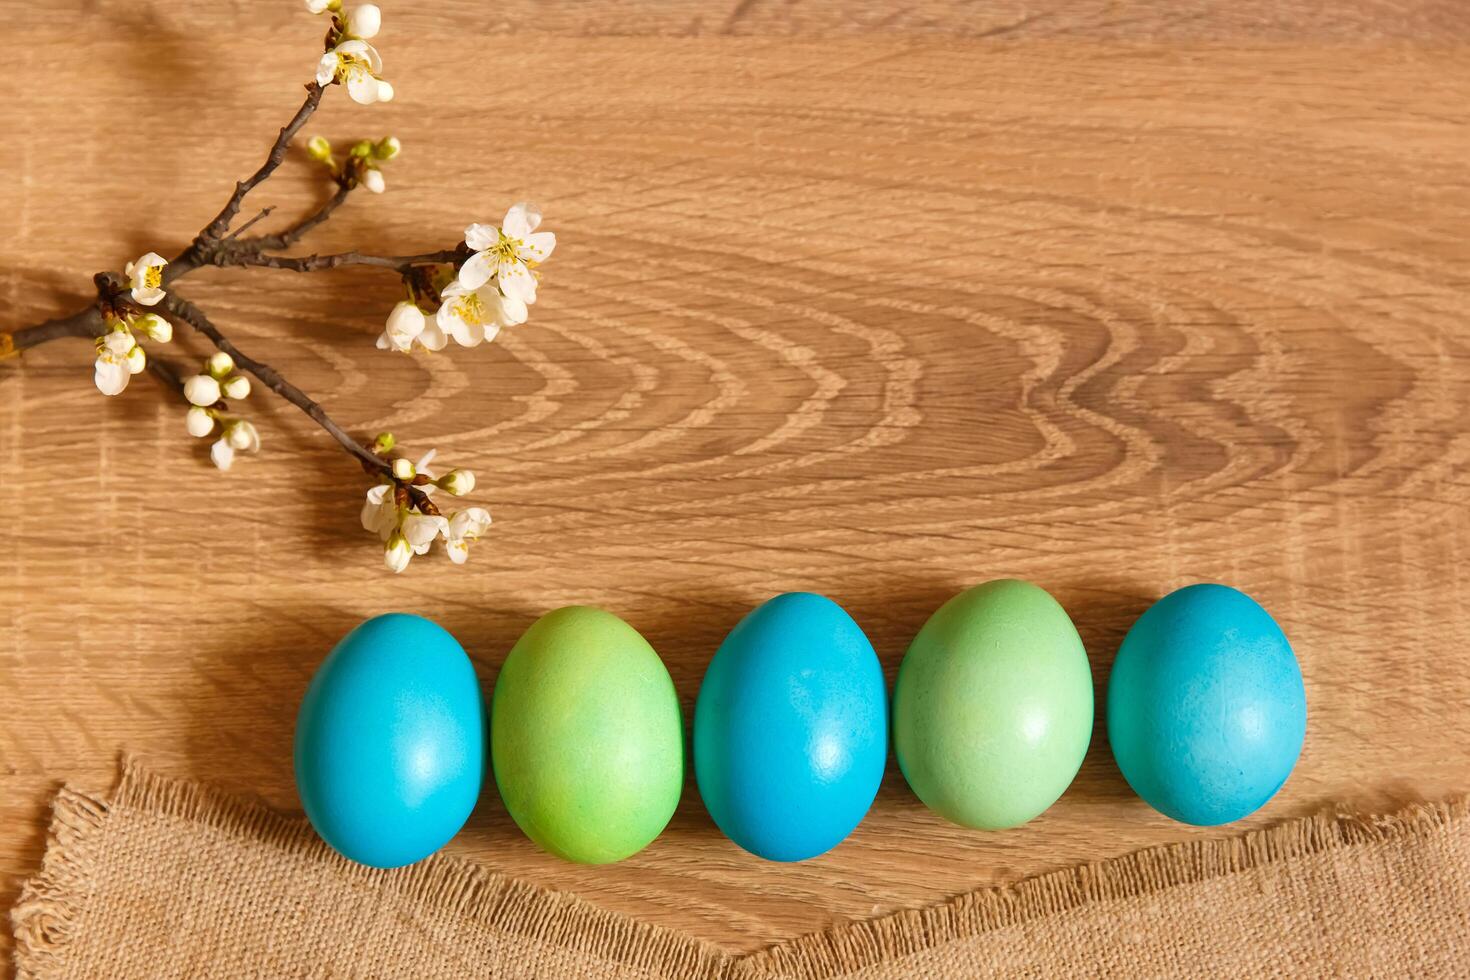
column 261, row 215
column 319, row 263
column 291, row 235
column 216, row 229
column 183, row 311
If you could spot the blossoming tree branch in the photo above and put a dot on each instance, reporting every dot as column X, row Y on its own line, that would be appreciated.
column 467, row 294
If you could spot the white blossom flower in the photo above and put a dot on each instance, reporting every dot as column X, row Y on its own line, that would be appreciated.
column 202, row 390
column 199, row 421
column 508, row 253
column 356, row 64
column 365, row 21
column 473, row 316
column 463, row 528
column 397, row 552
column 402, row 525
column 422, row 529
column 322, row 6
column 412, row 535
column 146, row 278
column 373, row 181
column 242, row 436
column 118, row 358
column 405, row 324
column 239, row 436
column 380, row 511
column 236, row 386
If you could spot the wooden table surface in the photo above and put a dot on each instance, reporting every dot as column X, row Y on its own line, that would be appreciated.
column 879, row 302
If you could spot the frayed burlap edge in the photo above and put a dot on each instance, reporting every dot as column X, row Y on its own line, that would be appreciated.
column 846, row 949
column 45, row 919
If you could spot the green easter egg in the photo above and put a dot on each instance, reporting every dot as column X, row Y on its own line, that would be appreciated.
column 992, row 709
column 585, row 736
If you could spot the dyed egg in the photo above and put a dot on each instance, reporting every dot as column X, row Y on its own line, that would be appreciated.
column 586, row 738
column 390, row 742
column 1206, row 709
column 791, row 729
column 992, row 709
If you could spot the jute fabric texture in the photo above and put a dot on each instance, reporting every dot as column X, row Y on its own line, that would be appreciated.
column 171, row 879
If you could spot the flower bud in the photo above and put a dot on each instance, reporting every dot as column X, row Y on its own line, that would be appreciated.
column 137, row 360
column 236, row 386
column 403, row 469
column 154, row 327
column 201, row 390
column 397, row 552
column 219, row 364
column 385, row 91
column 199, row 422
column 362, row 148
column 365, row 21
column 319, row 148
column 383, row 442
column 457, row 482
column 387, row 148
column 373, row 181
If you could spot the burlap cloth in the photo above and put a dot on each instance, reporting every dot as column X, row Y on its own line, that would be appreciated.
column 172, row 879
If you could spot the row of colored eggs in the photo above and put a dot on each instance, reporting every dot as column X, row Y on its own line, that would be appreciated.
column 991, row 715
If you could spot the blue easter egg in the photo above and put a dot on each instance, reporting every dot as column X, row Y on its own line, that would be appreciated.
column 390, row 742
column 791, row 729
column 1206, row 709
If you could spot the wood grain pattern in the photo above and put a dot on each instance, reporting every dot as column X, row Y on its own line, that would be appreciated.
column 880, row 316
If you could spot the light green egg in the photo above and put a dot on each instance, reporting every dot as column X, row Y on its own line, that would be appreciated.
column 586, row 738
column 992, row 709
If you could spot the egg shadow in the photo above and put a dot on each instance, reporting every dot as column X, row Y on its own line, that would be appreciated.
column 246, row 746
column 487, row 632
column 1103, row 614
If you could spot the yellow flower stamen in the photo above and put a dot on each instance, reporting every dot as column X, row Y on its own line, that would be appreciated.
column 471, row 309
column 153, row 276
column 505, row 249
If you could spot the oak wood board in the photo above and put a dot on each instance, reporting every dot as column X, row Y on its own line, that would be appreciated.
column 878, row 307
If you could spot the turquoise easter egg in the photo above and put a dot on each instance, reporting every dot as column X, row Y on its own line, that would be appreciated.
column 586, row 738
column 390, row 742
column 791, row 729
column 992, row 709
column 1206, row 708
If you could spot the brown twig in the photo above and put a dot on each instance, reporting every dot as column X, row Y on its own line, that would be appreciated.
column 83, row 323
column 260, row 216
column 184, row 312
column 320, row 263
